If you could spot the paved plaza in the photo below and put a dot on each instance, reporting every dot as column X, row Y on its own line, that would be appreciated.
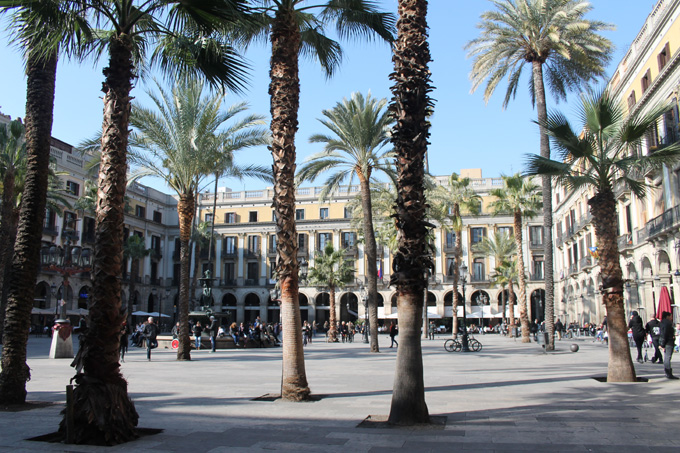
column 508, row 397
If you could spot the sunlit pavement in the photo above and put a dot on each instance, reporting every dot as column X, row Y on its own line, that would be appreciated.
column 508, row 397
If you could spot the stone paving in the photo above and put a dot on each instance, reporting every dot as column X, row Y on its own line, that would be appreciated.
column 508, row 397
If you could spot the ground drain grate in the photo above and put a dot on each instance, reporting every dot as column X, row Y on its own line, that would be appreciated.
column 271, row 397
column 437, row 422
column 55, row 438
column 604, row 379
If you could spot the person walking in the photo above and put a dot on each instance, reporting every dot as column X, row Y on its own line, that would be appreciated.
column 653, row 328
column 394, row 331
column 150, row 332
column 638, row 331
column 667, row 342
column 198, row 330
column 430, row 330
column 212, row 331
column 124, row 340
column 559, row 328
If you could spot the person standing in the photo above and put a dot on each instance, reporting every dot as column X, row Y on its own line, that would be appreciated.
column 175, row 332
column 212, row 331
column 653, row 328
column 198, row 330
column 124, row 341
column 430, row 330
column 638, row 331
column 394, row 331
column 667, row 342
column 559, row 328
column 150, row 332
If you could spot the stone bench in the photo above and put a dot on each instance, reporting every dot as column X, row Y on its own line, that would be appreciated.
column 226, row 342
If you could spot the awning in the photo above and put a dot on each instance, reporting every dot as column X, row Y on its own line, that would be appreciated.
column 42, row 311
column 395, row 315
column 156, row 314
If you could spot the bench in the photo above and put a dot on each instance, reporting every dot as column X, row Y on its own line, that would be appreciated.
column 226, row 342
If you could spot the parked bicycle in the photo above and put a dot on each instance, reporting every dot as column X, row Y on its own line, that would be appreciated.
column 454, row 345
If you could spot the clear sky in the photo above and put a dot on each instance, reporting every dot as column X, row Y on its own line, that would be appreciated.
column 465, row 132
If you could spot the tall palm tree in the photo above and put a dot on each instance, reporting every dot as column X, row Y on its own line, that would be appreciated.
column 411, row 106
column 505, row 275
column 552, row 36
column 293, row 28
column 521, row 198
column 601, row 153
column 503, row 249
column 452, row 197
column 359, row 129
column 332, row 270
column 42, row 29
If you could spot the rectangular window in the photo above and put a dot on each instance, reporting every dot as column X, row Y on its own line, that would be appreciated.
column 299, row 214
column 140, row 211
column 324, row 238
column 272, row 243
column 50, row 219
column 477, row 234
column 229, row 245
column 253, row 244
column 252, row 216
column 646, row 81
column 154, row 273
column 302, row 241
column 536, row 235
column 272, row 269
column 88, row 230
column 208, row 217
column 73, row 188
column 323, row 213
column 252, row 273
column 537, row 268
column 664, row 57
column 507, row 231
column 450, row 266
column 230, row 217
column 274, row 216
column 450, row 239
column 478, row 270
column 156, row 244
column 69, row 221
column 157, row 217
column 631, row 100
column 348, row 240
column 348, row 213
column 229, row 268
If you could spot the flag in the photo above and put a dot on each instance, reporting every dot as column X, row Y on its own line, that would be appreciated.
column 593, row 252
column 380, row 274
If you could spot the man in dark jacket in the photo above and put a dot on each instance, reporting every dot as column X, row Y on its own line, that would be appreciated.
column 667, row 341
column 635, row 325
column 150, row 333
column 212, row 331
column 653, row 328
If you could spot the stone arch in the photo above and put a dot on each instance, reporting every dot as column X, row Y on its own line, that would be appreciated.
column 43, row 296
column 479, row 297
column 251, row 305
column 537, row 299
column 349, row 307
column 431, row 299
column 229, row 301
column 631, row 272
column 646, row 266
column 322, row 310
column 663, row 263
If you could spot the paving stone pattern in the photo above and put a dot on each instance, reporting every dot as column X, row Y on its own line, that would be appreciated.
column 509, row 397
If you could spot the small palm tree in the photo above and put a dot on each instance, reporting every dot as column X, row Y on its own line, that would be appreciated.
column 332, row 270
column 599, row 155
column 294, row 29
column 522, row 199
column 452, row 197
column 356, row 148
column 505, row 275
column 134, row 250
column 563, row 48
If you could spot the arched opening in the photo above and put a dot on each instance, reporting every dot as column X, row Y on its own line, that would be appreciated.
column 323, row 307
column 431, row 299
column 479, row 300
column 42, row 296
column 538, row 305
column 151, row 304
column 304, row 307
column 229, row 307
column 251, row 308
column 349, row 307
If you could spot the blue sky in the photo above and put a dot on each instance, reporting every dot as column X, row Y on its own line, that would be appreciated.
column 466, row 132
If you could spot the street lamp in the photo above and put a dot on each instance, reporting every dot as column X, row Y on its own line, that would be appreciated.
column 463, row 281
column 364, row 298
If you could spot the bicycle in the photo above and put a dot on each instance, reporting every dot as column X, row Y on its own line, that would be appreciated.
column 453, row 345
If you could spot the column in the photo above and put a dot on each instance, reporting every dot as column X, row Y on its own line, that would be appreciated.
column 438, row 265
column 241, row 240
column 218, row 259
column 263, row 262
column 312, row 247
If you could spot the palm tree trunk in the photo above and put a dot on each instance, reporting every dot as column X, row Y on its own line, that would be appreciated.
column 513, row 302
column 457, row 257
column 284, row 89
column 411, row 106
column 103, row 411
column 195, row 246
column 523, row 317
column 371, row 250
column 212, row 225
column 186, row 210
column 41, row 74
column 537, row 74
column 332, row 319
column 603, row 207
column 134, row 272
column 503, row 303
column 6, row 243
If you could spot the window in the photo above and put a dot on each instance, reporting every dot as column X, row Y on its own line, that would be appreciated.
column 348, row 213
column 272, row 269
column 505, row 231
column 88, row 230
column 69, row 221
column 229, row 273
column 139, row 234
column 450, row 239
column 154, row 273
column 208, row 217
column 652, row 138
column 670, row 121
column 450, row 266
column 50, row 219
column 536, row 235
column 664, row 57
column 323, row 213
column 252, row 273
column 230, row 217
column 140, row 211
column 324, row 238
column 478, row 270
column 646, row 81
column 156, row 245
column 631, row 100
column 73, row 188
column 157, row 217
column 349, row 240
column 299, row 214
column 477, row 234
column 229, row 245
column 302, row 241
column 272, row 243
column 253, row 244
column 537, row 268
column 274, row 216
column 252, row 216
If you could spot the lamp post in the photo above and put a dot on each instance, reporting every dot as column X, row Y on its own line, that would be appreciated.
column 463, row 281
column 426, row 276
column 66, row 261
column 364, row 298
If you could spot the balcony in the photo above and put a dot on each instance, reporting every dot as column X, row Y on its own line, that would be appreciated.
column 573, row 269
column 625, row 242
column 88, row 237
column 663, row 225
column 229, row 254
column 51, row 230
column 251, row 282
column 205, row 252
column 536, row 277
column 350, row 250
column 586, row 263
column 69, row 234
column 449, row 247
column 271, row 251
column 303, row 252
column 536, row 245
column 251, row 253
column 229, row 282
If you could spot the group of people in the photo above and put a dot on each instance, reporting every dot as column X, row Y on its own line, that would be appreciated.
column 259, row 332
column 663, row 336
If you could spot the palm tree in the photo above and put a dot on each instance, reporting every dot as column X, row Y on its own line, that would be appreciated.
column 293, row 29
column 503, row 248
column 599, row 155
column 553, row 36
column 134, row 250
column 452, row 197
column 42, row 29
column 411, row 106
column 333, row 271
column 505, row 275
column 359, row 128
column 521, row 198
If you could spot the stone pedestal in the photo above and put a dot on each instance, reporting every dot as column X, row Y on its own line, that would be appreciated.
column 62, row 340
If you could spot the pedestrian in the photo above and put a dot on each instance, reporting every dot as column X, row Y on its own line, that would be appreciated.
column 653, row 328
column 430, row 330
column 175, row 332
column 667, row 342
column 150, row 332
column 394, row 331
column 124, row 342
column 198, row 330
column 559, row 327
column 212, row 331
column 638, row 331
